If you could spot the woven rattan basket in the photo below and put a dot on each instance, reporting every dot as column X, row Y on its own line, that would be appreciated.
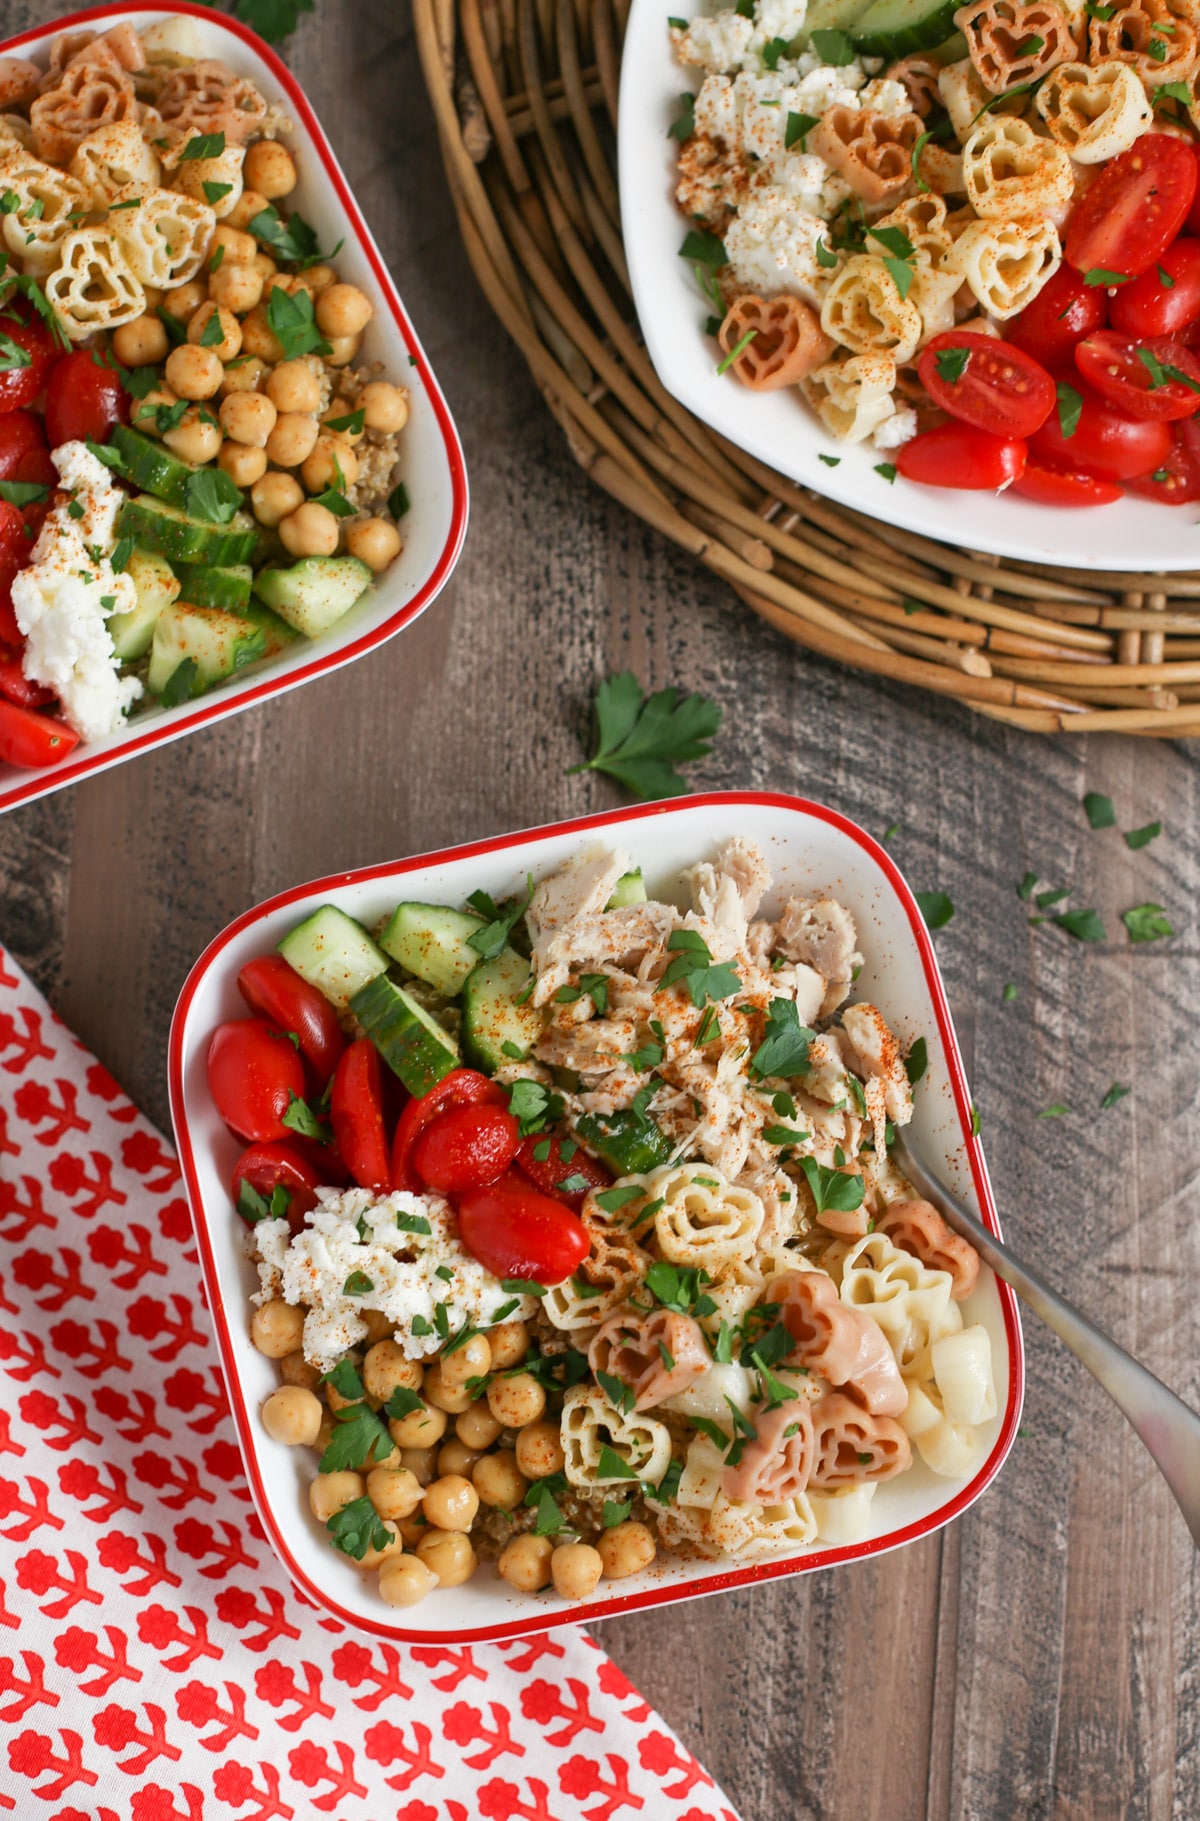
column 525, row 93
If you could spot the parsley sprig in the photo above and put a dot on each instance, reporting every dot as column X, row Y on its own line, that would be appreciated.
column 642, row 738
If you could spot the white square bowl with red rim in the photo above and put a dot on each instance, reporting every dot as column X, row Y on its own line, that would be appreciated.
column 431, row 455
column 809, row 849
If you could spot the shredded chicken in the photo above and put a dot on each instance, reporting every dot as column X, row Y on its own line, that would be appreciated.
column 820, row 932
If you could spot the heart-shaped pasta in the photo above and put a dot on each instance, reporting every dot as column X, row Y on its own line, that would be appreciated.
column 922, row 220
column 19, row 82
column 787, row 342
column 163, row 235
column 113, row 159
column 864, row 311
column 897, row 1289
column 871, row 151
column 92, row 286
column 739, row 1530
column 1010, row 174
column 837, row 1340
column 852, row 1445
column 209, row 97
column 1007, row 263
column 590, row 1423
column 1010, row 44
column 603, row 1282
column 919, row 77
column 16, row 132
column 1160, row 39
column 655, row 1355
column 49, row 205
column 963, row 96
column 87, row 96
column 1094, row 112
column 853, row 397
column 778, row 1463
column 917, row 1227
column 205, row 178
column 703, row 1219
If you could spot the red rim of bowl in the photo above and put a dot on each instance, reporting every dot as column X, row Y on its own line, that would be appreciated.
column 542, row 1618
column 47, row 779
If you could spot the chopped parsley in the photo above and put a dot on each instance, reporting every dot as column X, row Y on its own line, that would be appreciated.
column 1146, row 923
column 643, row 738
column 1115, row 1093
column 936, row 908
column 783, row 1053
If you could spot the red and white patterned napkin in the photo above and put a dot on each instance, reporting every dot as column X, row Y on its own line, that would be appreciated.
column 156, row 1664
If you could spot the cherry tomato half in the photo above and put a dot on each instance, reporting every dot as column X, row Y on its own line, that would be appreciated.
column 11, row 635
column 1132, row 210
column 356, row 1115
column 1064, row 487
column 549, row 1171
column 466, row 1148
column 30, row 740
column 272, row 988
column 1159, row 378
column 16, row 687
column 515, row 1232
column 1177, row 481
column 960, row 455
column 1062, row 313
column 253, row 1074
column 1104, row 443
column 83, row 400
column 20, row 385
column 267, row 1167
column 1151, row 305
column 461, row 1087
column 987, row 382
column 21, row 436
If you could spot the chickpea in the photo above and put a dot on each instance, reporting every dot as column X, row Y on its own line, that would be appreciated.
column 336, row 1401
column 293, row 386
column 242, row 464
column 274, row 496
column 194, row 372
column 455, row 1457
column 451, row 1503
column 343, row 349
column 324, row 1433
column 474, row 1358
column 230, row 344
column 509, row 1344
column 264, row 265
column 183, row 302
column 294, row 1369
column 374, row 541
column 476, row 1427
column 270, row 169
column 422, row 1428
column 516, row 1401
column 140, row 343
column 386, row 1369
column 525, row 1562
column 454, row 1398
column 144, row 411
column 339, row 410
column 258, row 336
column 321, row 276
column 384, row 407
column 332, row 1492
column 375, row 1558
column 539, row 1451
column 292, row 1415
column 311, row 530
column 248, row 417
column 330, row 464
column 576, row 1569
column 292, row 439
column 195, row 438
column 394, row 1492
column 379, row 1326
column 243, row 374
column 343, row 310
column 626, row 1548
column 249, row 204
column 448, row 1553
column 420, row 1462
column 235, row 287
column 498, row 1481
column 413, row 1528
column 277, row 1328
column 239, row 248
column 404, row 1580
column 153, row 298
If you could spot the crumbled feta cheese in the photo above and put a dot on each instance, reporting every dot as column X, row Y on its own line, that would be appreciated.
column 822, row 85
column 771, row 245
column 63, row 600
column 356, row 1231
column 885, row 97
column 716, row 44
column 717, row 110
column 899, row 428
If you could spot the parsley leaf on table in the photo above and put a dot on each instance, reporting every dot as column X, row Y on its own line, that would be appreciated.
column 641, row 738
column 272, row 19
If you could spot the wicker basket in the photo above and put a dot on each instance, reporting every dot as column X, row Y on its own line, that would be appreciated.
column 525, row 94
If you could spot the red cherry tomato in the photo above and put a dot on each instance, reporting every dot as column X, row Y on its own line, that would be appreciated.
column 83, row 401
column 1159, row 378
column 30, row 740
column 253, row 1074
column 272, row 988
column 1063, row 487
column 1177, row 481
column 515, row 1232
column 16, row 687
column 1132, row 210
column 466, row 1148
column 21, row 436
column 1062, row 313
column 1105, row 443
column 267, row 1167
column 1149, row 306
column 11, row 635
column 960, row 455
column 21, row 385
column 999, row 388
column 551, row 1170
column 461, row 1087
column 356, row 1114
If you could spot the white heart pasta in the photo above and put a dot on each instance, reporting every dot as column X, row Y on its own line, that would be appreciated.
column 703, row 1221
column 93, row 286
column 727, row 1528
column 49, row 204
column 1010, row 174
column 113, row 159
column 1094, row 112
column 853, row 397
column 590, row 1423
column 602, row 1284
column 1006, row 263
column 962, row 1372
column 963, row 96
column 893, row 1287
column 163, row 235
column 864, row 311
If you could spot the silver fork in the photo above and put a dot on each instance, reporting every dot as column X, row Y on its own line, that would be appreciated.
column 1169, row 1429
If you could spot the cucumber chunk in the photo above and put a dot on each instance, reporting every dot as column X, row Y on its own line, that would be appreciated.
column 832, row 16
column 432, row 942
column 181, row 539
column 205, row 586
column 896, row 28
column 630, row 1143
column 219, row 644
column 333, row 953
column 953, row 51
column 156, row 588
column 629, row 889
column 277, row 633
column 496, row 1028
column 152, row 467
column 411, row 1042
column 315, row 592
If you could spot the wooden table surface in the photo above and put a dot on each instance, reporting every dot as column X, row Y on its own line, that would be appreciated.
column 1041, row 1658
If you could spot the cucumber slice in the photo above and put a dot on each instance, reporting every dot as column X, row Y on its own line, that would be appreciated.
column 431, row 941
column 208, row 587
column 152, row 467
column 312, row 594
column 180, row 539
column 896, row 28
column 278, row 634
column 333, row 953
column 629, row 889
column 156, row 588
column 832, row 16
column 411, row 1042
column 953, row 51
column 218, row 643
column 496, row 1029
column 629, row 1143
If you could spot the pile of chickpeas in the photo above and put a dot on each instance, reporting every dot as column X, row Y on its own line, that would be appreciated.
column 266, row 434
column 429, row 1490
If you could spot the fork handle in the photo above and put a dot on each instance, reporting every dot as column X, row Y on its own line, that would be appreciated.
column 1166, row 1425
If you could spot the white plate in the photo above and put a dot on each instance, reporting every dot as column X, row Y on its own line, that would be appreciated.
column 778, row 427
column 809, row 848
column 431, row 455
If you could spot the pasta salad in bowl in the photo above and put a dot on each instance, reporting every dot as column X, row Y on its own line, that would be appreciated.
column 549, row 1217
column 211, row 408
